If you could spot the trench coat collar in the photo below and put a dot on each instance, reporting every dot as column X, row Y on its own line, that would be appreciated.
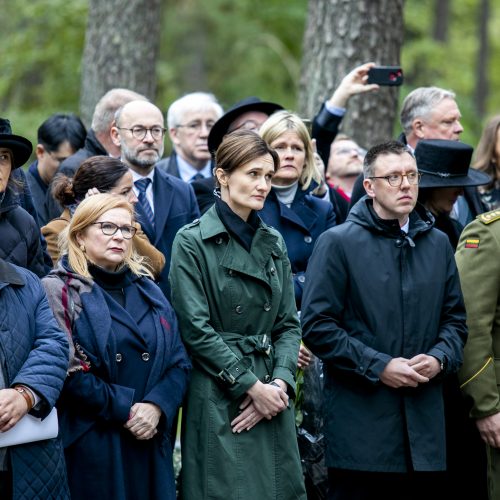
column 264, row 244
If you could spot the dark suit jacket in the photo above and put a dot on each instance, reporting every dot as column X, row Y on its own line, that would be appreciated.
column 174, row 206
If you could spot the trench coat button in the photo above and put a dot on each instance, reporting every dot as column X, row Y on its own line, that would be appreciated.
column 273, row 271
column 267, row 306
column 302, row 278
column 267, row 378
column 218, row 241
column 239, row 309
column 308, row 239
column 145, row 356
column 118, row 357
column 398, row 242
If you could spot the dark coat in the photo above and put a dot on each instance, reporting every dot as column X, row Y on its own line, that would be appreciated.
column 95, row 403
column 20, row 236
column 169, row 165
column 375, row 295
column 238, row 320
column 38, row 191
column 34, row 352
column 300, row 225
column 174, row 207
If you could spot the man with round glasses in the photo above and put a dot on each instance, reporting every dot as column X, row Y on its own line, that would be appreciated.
column 384, row 311
column 165, row 203
column 190, row 119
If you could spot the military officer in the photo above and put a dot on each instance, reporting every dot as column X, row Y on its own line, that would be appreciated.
column 478, row 261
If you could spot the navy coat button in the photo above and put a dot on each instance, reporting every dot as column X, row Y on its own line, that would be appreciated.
column 308, row 239
column 239, row 309
column 267, row 306
column 145, row 356
column 118, row 357
column 301, row 279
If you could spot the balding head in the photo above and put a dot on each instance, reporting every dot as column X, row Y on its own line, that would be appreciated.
column 139, row 132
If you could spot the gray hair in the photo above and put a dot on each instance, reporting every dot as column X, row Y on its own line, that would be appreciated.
column 196, row 101
column 110, row 102
column 420, row 102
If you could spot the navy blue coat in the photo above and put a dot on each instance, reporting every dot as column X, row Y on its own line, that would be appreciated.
column 95, row 403
column 34, row 352
column 300, row 225
column 174, row 206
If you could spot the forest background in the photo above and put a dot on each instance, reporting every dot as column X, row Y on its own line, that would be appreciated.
column 237, row 48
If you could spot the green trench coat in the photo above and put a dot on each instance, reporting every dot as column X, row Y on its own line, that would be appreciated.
column 238, row 320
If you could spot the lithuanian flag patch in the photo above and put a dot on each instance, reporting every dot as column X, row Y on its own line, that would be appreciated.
column 472, row 243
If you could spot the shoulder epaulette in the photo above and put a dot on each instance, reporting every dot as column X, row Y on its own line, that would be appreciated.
column 489, row 217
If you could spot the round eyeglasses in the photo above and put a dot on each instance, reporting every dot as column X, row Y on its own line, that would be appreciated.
column 139, row 133
column 109, row 229
column 396, row 180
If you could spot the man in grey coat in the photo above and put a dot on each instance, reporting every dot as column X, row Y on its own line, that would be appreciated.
column 382, row 308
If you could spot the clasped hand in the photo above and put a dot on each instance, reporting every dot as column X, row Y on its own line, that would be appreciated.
column 12, row 408
column 263, row 401
column 402, row 372
column 143, row 420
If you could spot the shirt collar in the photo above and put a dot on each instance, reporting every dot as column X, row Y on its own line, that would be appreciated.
column 137, row 177
column 187, row 171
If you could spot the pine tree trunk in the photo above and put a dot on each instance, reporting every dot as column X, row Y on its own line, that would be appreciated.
column 339, row 36
column 121, row 48
column 482, row 88
column 441, row 20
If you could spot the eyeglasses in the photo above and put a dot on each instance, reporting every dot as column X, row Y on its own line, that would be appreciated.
column 348, row 151
column 396, row 180
column 197, row 127
column 139, row 133
column 248, row 125
column 109, row 229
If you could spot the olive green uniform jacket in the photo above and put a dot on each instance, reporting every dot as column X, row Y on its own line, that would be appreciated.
column 478, row 262
column 238, row 320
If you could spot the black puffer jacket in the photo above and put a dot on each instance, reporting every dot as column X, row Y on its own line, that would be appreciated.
column 373, row 294
column 19, row 236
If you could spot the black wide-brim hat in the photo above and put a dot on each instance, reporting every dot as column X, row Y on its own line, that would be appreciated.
column 445, row 163
column 20, row 146
column 221, row 126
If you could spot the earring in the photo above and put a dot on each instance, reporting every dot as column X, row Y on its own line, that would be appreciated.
column 82, row 248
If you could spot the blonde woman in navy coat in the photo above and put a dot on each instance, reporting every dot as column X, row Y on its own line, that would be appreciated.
column 291, row 207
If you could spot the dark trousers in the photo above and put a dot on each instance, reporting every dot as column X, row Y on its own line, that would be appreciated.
column 360, row 485
column 5, row 485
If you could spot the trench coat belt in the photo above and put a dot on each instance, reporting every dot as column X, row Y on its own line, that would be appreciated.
column 246, row 344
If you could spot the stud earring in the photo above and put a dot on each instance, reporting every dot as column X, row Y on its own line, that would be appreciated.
column 82, row 248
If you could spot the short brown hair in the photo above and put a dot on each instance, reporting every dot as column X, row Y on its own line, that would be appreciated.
column 241, row 147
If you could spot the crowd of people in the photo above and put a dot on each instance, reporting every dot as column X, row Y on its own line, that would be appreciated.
column 314, row 318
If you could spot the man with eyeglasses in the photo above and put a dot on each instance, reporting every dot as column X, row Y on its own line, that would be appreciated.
column 165, row 203
column 190, row 120
column 382, row 308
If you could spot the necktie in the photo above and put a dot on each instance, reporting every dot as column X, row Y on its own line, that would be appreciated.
column 197, row 177
column 149, row 222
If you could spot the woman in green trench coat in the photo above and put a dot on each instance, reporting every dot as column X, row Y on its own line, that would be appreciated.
column 233, row 294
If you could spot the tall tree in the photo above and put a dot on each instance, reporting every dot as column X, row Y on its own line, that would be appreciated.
column 482, row 88
column 121, row 48
column 339, row 36
column 441, row 20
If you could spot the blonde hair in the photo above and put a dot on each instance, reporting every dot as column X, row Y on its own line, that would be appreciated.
column 88, row 211
column 284, row 121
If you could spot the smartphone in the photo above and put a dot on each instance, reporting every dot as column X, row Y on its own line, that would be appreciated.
column 386, row 75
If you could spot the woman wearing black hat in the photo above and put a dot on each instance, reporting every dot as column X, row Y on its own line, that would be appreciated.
column 20, row 236
column 445, row 172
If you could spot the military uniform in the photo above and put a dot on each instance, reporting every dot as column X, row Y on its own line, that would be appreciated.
column 478, row 261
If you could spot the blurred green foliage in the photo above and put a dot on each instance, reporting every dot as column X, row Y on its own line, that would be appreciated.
column 233, row 48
